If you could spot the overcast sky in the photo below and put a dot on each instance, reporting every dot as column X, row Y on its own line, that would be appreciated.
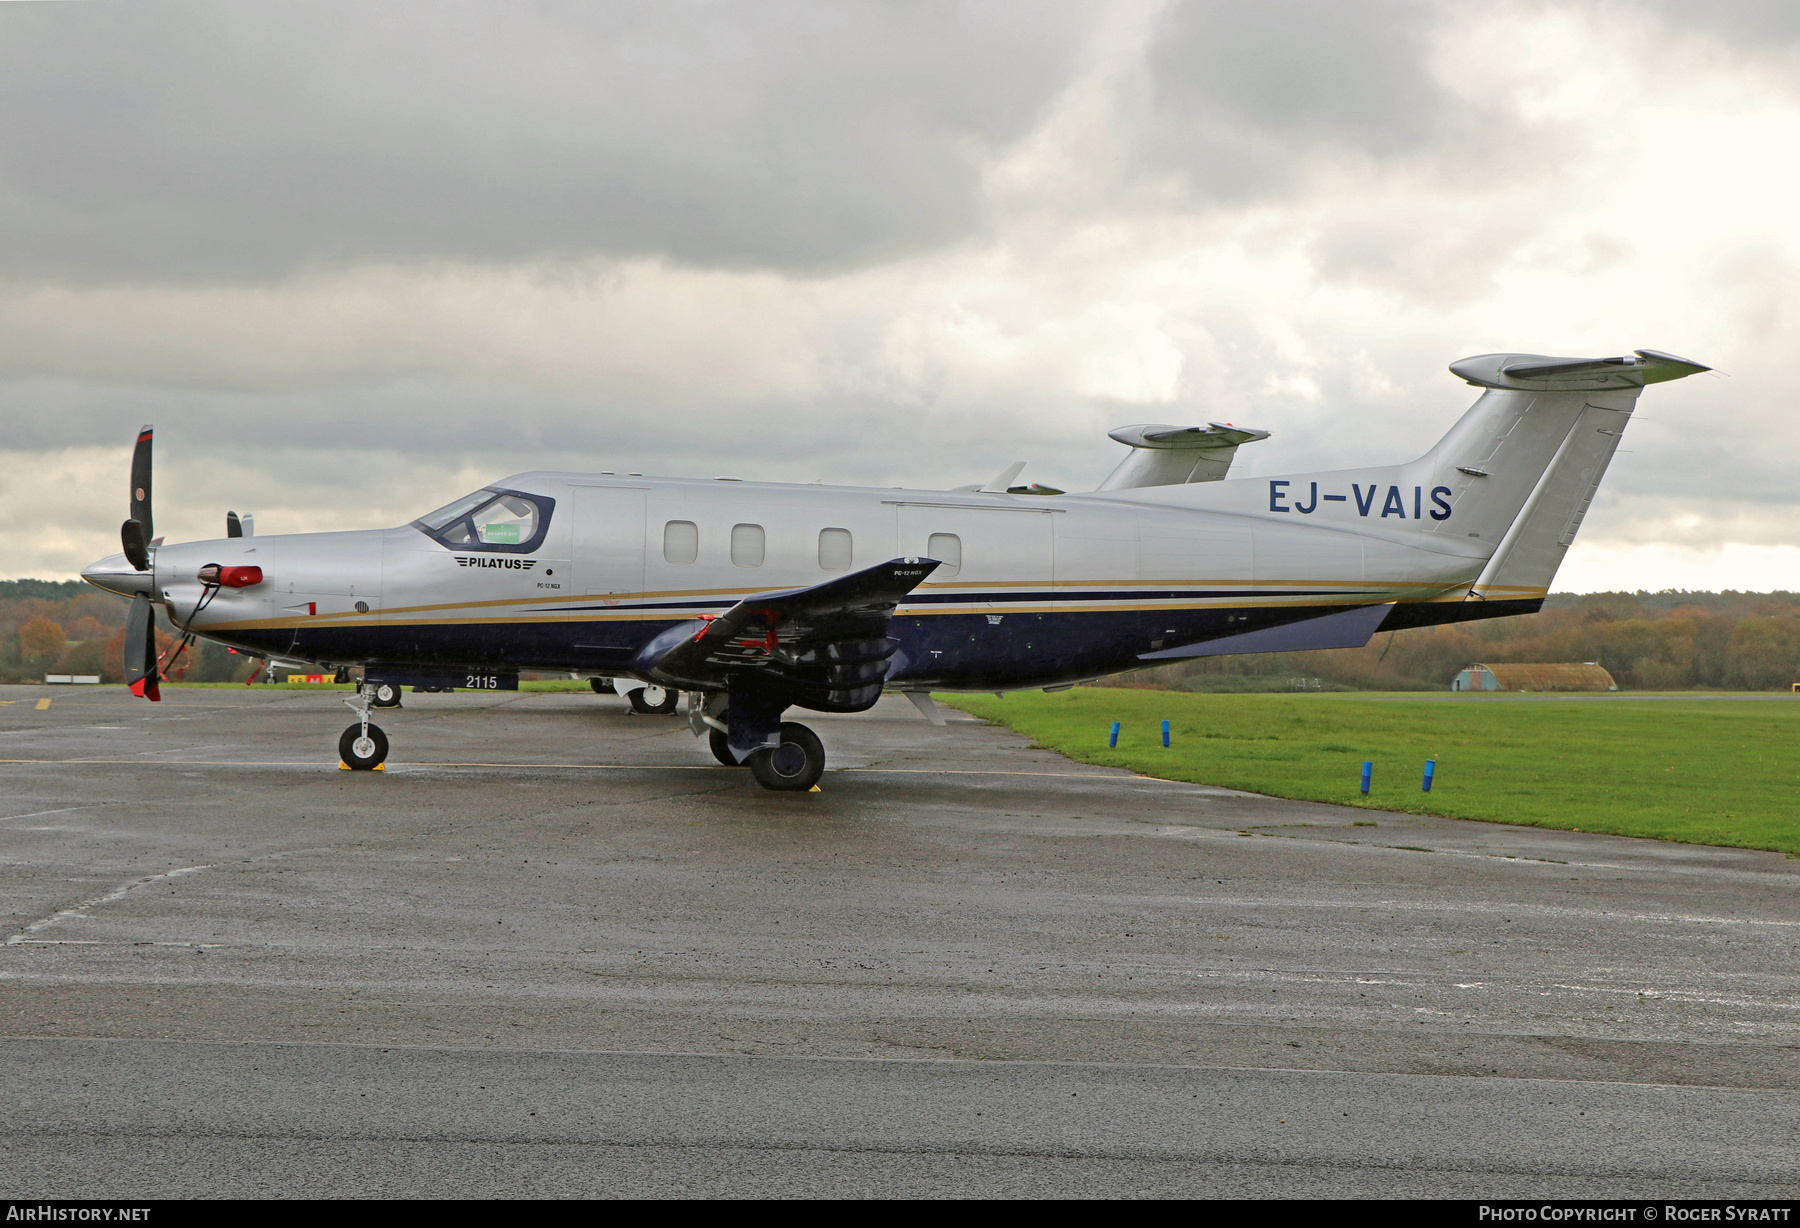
column 355, row 259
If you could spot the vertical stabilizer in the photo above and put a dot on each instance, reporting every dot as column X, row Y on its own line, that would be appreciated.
column 1528, row 555
column 1596, row 396
column 1499, row 498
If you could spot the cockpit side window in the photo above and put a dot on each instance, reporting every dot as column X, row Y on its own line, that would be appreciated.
column 507, row 521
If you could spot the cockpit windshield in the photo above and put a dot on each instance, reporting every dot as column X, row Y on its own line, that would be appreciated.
column 456, row 511
column 495, row 519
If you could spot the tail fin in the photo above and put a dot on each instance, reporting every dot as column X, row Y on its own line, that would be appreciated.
column 1504, row 490
column 1573, row 409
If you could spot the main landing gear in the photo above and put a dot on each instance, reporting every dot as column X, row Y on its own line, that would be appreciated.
column 646, row 699
column 383, row 694
column 362, row 747
column 793, row 767
column 781, row 755
column 721, row 749
column 653, row 700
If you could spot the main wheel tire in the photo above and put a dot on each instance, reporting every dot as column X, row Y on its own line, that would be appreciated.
column 603, row 686
column 793, row 767
column 385, row 695
column 720, row 749
column 363, row 754
column 654, row 700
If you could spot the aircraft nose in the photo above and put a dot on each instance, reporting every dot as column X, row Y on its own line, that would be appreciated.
column 115, row 574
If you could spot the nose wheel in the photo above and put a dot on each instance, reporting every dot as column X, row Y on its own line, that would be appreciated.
column 363, row 747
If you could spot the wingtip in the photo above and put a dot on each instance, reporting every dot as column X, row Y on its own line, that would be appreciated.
column 1678, row 366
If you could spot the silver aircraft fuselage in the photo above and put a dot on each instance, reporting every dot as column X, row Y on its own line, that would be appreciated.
column 1032, row 590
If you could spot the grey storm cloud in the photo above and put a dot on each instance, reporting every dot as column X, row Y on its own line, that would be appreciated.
column 1748, row 24
column 1239, row 90
column 225, row 140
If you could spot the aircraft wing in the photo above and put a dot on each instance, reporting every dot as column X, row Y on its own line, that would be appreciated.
column 825, row 646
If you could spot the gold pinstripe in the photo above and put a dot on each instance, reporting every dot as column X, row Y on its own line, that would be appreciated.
column 1053, row 585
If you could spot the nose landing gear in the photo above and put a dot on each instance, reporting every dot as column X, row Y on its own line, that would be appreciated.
column 362, row 747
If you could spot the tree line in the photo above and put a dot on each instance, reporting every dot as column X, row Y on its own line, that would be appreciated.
column 69, row 627
column 1665, row 641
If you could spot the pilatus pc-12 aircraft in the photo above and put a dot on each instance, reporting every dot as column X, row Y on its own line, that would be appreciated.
column 753, row 597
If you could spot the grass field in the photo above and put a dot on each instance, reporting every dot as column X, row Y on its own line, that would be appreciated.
column 1715, row 771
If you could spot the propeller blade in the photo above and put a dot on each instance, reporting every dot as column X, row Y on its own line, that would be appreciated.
column 233, row 526
column 131, row 537
column 140, row 650
column 140, row 485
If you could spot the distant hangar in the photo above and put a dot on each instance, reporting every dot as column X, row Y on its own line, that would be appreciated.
column 1554, row 676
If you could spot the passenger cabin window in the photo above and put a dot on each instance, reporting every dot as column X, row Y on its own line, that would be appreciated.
column 747, row 545
column 834, row 549
column 946, row 548
column 681, row 541
column 505, row 520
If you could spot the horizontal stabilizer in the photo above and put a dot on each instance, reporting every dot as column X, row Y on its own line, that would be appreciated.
column 1344, row 629
column 1176, row 455
column 1212, row 435
column 1535, row 372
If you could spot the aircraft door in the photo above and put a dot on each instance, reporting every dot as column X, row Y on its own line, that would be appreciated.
column 608, row 560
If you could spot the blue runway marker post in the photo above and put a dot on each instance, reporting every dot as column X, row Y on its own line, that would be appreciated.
column 1165, row 735
column 1368, row 774
column 1113, row 740
column 1430, row 771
